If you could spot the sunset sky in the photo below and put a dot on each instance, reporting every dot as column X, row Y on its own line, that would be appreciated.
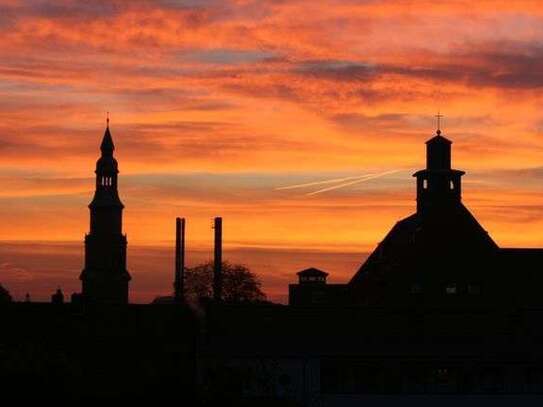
column 217, row 104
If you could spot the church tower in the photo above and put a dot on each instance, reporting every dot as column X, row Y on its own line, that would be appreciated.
column 438, row 186
column 105, row 278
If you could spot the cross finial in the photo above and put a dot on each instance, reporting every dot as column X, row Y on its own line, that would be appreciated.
column 107, row 119
column 439, row 117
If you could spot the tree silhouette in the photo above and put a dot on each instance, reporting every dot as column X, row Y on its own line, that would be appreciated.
column 239, row 284
column 4, row 295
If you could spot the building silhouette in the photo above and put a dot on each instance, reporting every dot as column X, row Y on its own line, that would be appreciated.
column 313, row 289
column 105, row 277
column 436, row 309
column 439, row 255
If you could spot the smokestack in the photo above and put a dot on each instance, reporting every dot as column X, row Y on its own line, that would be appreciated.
column 217, row 264
column 178, row 284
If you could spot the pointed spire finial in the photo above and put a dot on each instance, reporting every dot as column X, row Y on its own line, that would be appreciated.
column 107, row 145
column 439, row 117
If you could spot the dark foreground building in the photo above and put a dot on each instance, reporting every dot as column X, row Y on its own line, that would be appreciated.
column 65, row 353
column 438, row 256
column 438, row 310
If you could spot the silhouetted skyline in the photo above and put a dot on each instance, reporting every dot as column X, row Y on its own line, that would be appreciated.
column 284, row 203
column 438, row 308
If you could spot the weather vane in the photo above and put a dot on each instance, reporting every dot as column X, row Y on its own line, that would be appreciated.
column 439, row 116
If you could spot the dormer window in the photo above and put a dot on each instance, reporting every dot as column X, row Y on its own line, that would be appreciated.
column 451, row 185
column 425, row 184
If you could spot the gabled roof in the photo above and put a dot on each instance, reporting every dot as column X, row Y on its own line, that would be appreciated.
column 402, row 232
column 312, row 272
column 449, row 230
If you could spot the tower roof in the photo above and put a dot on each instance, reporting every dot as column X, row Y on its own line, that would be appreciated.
column 312, row 272
column 107, row 145
column 439, row 139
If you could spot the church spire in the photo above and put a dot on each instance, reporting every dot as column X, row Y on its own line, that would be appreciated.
column 107, row 145
column 105, row 278
column 106, row 174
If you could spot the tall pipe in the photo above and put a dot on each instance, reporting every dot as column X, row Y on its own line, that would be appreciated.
column 217, row 264
column 178, row 284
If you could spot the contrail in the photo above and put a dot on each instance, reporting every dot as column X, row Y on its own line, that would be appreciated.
column 367, row 178
column 330, row 181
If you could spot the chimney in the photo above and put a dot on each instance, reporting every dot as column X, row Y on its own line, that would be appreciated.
column 217, row 264
column 178, row 284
